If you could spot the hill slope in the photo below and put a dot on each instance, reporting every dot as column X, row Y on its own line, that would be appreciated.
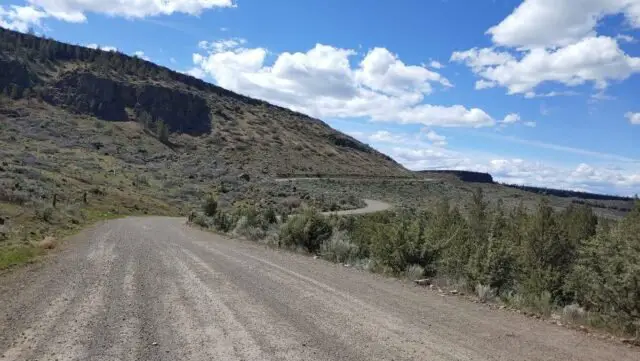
column 87, row 134
column 233, row 129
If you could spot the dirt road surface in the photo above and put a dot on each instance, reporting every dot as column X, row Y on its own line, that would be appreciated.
column 371, row 207
column 154, row 289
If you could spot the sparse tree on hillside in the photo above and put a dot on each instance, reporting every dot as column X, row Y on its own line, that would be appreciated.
column 500, row 264
column 162, row 131
column 478, row 225
column 547, row 252
column 606, row 275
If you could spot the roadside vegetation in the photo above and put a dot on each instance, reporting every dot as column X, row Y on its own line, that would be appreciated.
column 568, row 263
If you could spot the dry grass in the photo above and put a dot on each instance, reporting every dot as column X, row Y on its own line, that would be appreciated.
column 485, row 293
column 574, row 314
column 415, row 272
column 338, row 248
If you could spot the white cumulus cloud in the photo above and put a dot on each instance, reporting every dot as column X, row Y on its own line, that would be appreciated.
column 140, row 54
column 623, row 38
column 435, row 138
column 552, row 23
column 426, row 138
column 102, row 47
column 221, row 45
column 514, row 118
column 76, row 10
column 386, row 137
column 596, row 60
column 511, row 118
column 196, row 73
column 325, row 82
column 21, row 18
column 634, row 118
column 555, row 41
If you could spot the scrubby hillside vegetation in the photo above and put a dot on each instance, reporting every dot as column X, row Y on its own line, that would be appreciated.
column 87, row 134
column 569, row 193
column 569, row 263
column 115, row 87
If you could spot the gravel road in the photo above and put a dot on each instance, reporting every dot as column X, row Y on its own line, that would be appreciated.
column 372, row 206
column 154, row 289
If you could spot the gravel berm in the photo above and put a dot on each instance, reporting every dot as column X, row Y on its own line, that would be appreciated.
column 155, row 289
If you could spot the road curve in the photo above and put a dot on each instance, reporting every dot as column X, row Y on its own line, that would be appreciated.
column 155, row 289
column 371, row 207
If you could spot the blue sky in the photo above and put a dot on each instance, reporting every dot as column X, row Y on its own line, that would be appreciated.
column 541, row 92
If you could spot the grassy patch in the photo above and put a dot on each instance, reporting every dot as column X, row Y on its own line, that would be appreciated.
column 16, row 255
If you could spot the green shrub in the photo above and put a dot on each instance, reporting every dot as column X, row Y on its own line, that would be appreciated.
column 224, row 222
column 255, row 234
column 201, row 220
column 210, row 206
column 162, row 131
column 47, row 214
column 251, row 215
column 415, row 272
column 269, row 216
column 485, row 293
column 241, row 224
column 16, row 255
column 541, row 304
column 513, row 299
column 606, row 276
column 400, row 244
column 272, row 239
column 308, row 230
column 574, row 313
column 251, row 232
column 338, row 248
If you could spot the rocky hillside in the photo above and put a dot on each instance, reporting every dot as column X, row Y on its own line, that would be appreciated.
column 241, row 132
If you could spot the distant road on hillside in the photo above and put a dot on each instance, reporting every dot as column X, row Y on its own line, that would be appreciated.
column 372, row 207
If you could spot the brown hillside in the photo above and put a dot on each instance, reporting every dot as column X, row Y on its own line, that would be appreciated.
column 235, row 130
